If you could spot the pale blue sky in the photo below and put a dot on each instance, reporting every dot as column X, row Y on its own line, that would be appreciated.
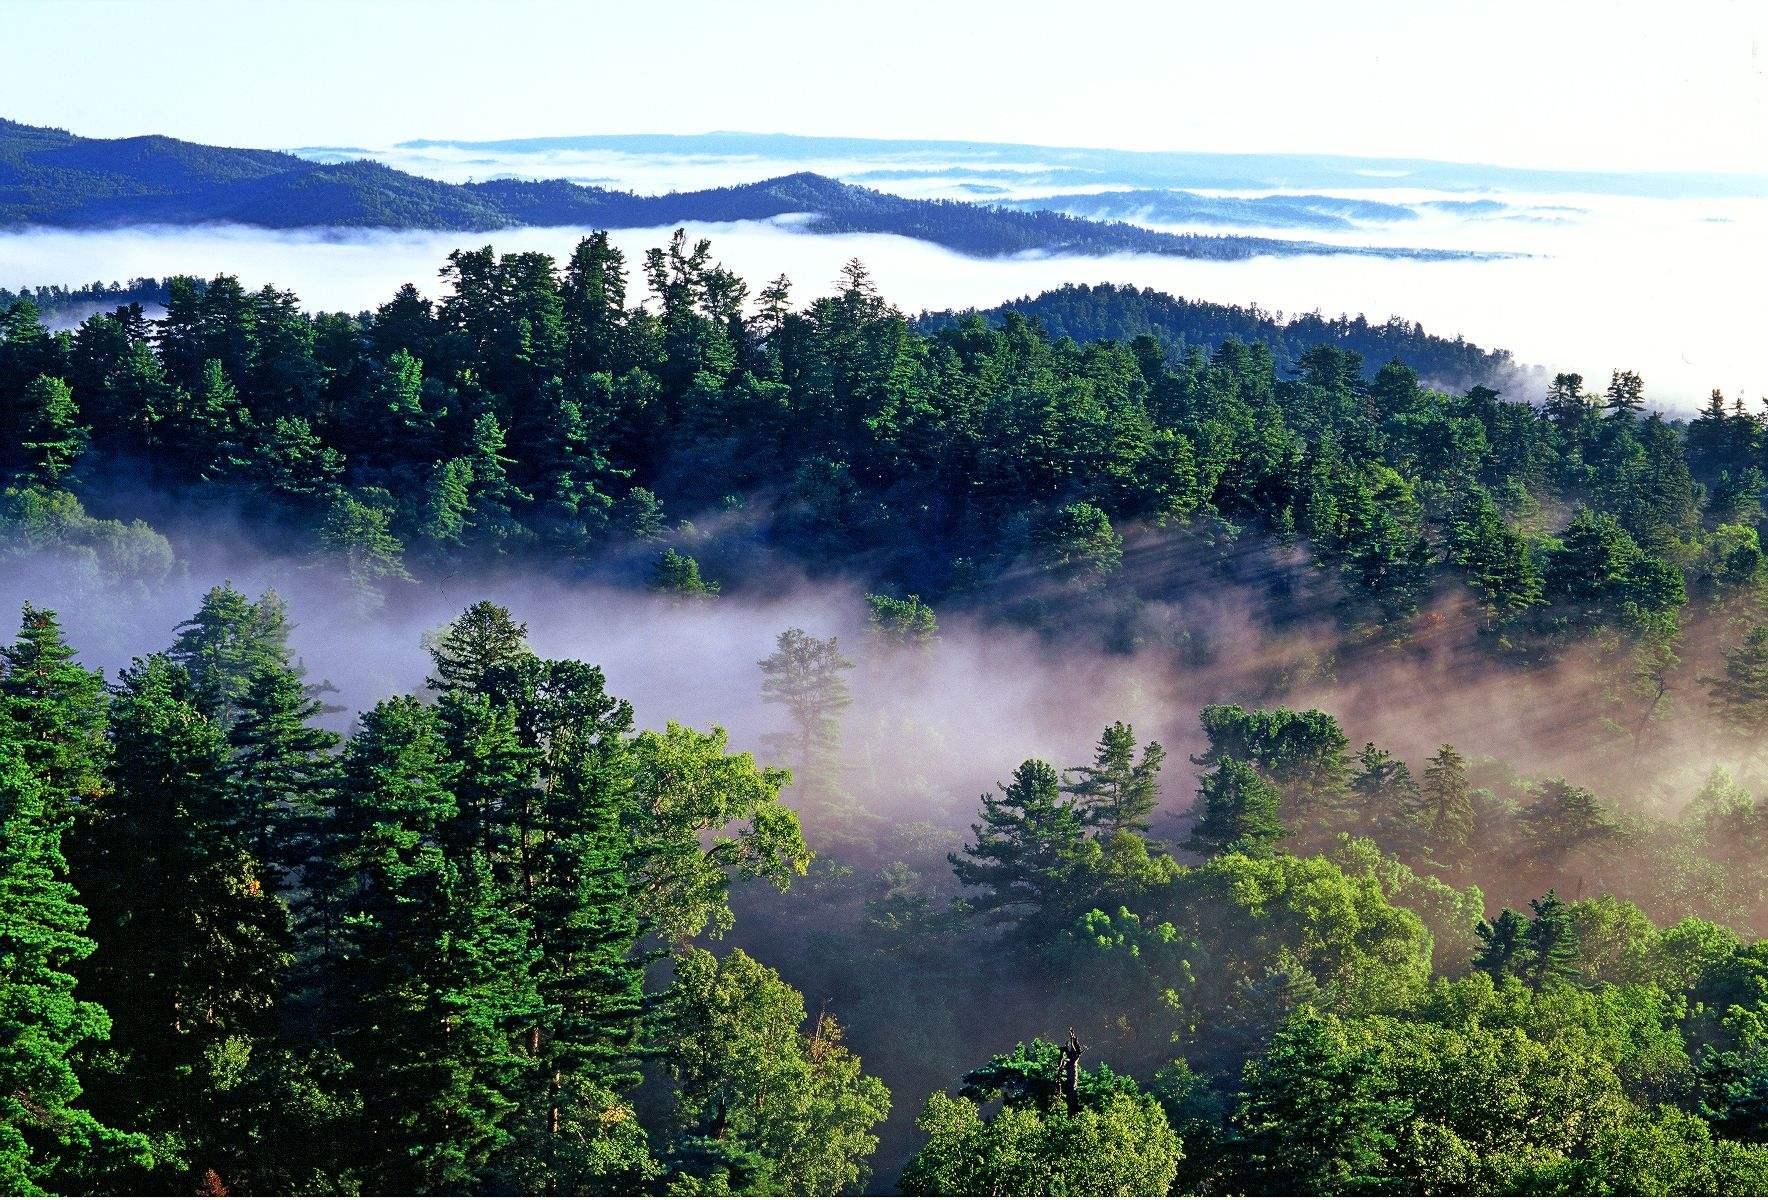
column 1568, row 83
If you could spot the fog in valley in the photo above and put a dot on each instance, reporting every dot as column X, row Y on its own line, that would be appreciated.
column 1666, row 289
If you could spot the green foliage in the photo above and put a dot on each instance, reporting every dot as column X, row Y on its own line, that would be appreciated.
column 1117, row 794
column 763, row 1107
column 806, row 676
column 1239, row 812
column 1124, row 1147
column 901, row 623
column 48, row 1142
column 677, row 576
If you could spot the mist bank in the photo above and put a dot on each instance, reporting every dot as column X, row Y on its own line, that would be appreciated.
column 931, row 729
column 1587, row 309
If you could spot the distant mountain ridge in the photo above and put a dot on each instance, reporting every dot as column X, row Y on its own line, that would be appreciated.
column 1142, row 168
column 49, row 177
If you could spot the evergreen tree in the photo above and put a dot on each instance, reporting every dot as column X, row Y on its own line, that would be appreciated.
column 192, row 944
column 1444, row 806
column 281, row 765
column 1028, row 854
column 51, row 436
column 805, row 675
column 595, row 306
column 483, row 637
column 1739, row 698
column 49, row 1144
column 1389, row 795
column 1117, row 794
column 440, row 977
column 1551, row 941
column 56, row 711
column 1625, row 396
column 1239, row 812
column 227, row 643
column 590, row 978
column 1504, row 948
column 357, row 531
column 678, row 577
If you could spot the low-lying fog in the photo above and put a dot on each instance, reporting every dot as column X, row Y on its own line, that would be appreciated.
column 1671, row 290
column 929, row 730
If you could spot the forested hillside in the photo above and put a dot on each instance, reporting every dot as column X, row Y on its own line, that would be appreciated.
column 1110, row 312
column 496, row 937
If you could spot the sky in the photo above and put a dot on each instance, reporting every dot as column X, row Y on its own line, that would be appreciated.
column 1568, row 83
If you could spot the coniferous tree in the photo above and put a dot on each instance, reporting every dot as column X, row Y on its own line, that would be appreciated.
column 1444, row 806
column 56, row 709
column 805, row 675
column 281, row 765
column 1239, row 812
column 678, row 576
column 483, row 637
column 49, row 1143
column 1504, row 948
column 1388, row 794
column 1117, row 794
column 227, row 643
column 1551, row 941
column 51, row 436
column 1027, row 854
column 1739, row 697
column 442, row 983
column 192, row 944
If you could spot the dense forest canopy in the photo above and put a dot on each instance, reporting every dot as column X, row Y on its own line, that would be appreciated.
column 497, row 937
column 1109, row 312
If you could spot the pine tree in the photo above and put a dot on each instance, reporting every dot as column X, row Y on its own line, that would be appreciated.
column 482, row 637
column 48, row 1142
column 595, row 306
column 1504, row 946
column 441, row 977
column 1027, row 853
column 57, row 712
column 1117, row 794
column 281, row 765
column 192, row 944
column 51, row 436
column 805, row 675
column 1552, row 941
column 491, row 517
column 678, row 576
column 1625, row 396
column 1388, row 794
column 1444, row 806
column 590, row 979
column 228, row 642
column 1739, row 697
column 1240, row 812
column 494, row 786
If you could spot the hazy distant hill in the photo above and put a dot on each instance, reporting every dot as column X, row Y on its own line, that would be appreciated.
column 1062, row 166
column 1155, row 206
column 1092, row 313
column 53, row 178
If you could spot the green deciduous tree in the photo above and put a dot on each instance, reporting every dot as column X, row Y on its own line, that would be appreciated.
column 763, row 1107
